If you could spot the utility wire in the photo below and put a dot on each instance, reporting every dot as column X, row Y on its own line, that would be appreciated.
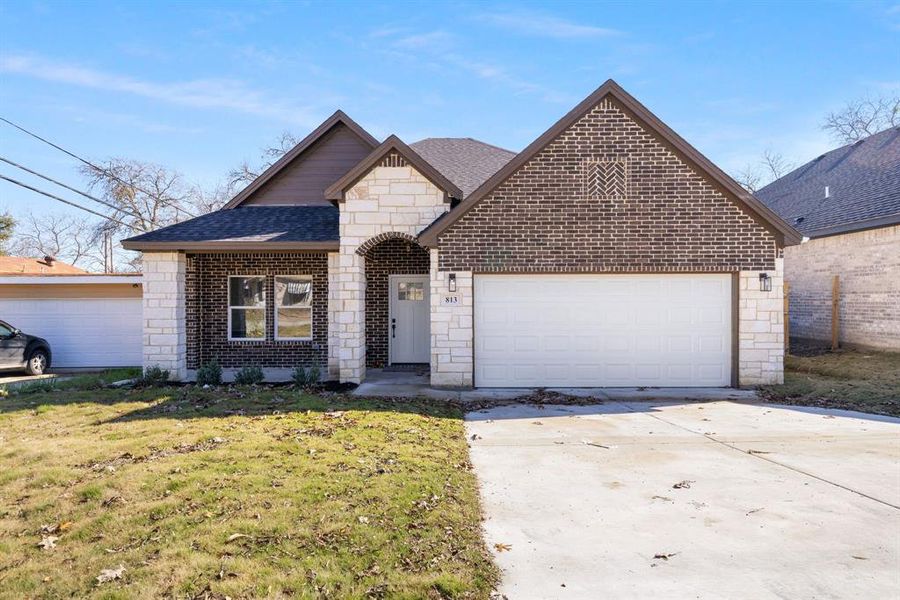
column 68, row 187
column 70, row 203
column 94, row 166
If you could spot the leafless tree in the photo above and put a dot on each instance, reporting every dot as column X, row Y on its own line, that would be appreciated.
column 245, row 172
column 7, row 227
column 771, row 166
column 70, row 239
column 863, row 117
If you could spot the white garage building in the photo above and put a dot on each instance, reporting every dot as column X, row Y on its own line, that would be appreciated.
column 90, row 320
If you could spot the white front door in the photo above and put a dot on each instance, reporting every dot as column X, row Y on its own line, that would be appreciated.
column 409, row 331
column 603, row 330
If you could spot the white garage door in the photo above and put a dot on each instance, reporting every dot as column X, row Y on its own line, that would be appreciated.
column 83, row 332
column 602, row 330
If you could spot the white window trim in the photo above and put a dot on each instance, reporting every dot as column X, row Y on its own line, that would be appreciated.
column 276, row 307
column 230, row 308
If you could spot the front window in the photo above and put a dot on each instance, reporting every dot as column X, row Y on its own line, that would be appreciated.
column 293, row 307
column 246, row 308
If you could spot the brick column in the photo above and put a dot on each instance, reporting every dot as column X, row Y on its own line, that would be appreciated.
column 164, row 320
column 761, row 328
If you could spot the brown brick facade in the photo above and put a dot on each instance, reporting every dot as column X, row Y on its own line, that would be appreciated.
column 391, row 257
column 206, row 307
column 542, row 219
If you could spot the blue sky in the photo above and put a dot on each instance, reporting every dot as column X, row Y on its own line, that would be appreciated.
column 201, row 86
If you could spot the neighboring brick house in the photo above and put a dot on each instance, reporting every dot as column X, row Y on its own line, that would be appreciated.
column 609, row 252
column 846, row 203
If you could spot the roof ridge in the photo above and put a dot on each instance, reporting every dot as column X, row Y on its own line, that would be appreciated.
column 470, row 138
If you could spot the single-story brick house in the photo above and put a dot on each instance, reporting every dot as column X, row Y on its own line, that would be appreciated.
column 609, row 252
column 846, row 203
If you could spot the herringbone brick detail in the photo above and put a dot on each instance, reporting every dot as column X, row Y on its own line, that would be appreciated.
column 605, row 179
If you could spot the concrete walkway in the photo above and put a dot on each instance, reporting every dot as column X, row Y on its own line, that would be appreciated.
column 382, row 384
column 679, row 500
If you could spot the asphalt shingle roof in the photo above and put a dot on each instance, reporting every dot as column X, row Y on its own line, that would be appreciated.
column 466, row 162
column 863, row 182
column 253, row 224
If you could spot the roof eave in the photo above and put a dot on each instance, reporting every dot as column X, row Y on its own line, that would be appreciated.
column 229, row 246
column 864, row 225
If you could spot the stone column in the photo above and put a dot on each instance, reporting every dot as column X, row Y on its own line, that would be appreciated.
column 164, row 320
column 452, row 333
column 351, row 316
column 334, row 307
column 761, row 328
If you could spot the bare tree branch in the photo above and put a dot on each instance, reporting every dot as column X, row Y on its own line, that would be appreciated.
column 244, row 173
column 864, row 117
column 70, row 239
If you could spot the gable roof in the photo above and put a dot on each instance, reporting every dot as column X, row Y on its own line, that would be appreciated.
column 392, row 144
column 863, row 180
column 339, row 117
column 247, row 228
column 765, row 215
column 466, row 162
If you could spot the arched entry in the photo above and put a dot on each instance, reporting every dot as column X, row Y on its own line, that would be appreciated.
column 396, row 300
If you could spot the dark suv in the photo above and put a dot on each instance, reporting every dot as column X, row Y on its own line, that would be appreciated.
column 22, row 352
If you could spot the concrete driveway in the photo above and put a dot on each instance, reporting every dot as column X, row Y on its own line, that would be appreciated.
column 713, row 500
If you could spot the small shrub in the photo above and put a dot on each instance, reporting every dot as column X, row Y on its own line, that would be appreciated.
column 3, row 391
column 153, row 376
column 249, row 376
column 210, row 373
column 37, row 386
column 306, row 377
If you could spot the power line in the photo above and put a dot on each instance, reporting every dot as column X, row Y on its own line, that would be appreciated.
column 70, row 203
column 68, row 187
column 94, row 166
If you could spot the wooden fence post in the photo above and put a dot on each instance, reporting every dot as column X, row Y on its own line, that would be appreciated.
column 787, row 322
column 835, row 312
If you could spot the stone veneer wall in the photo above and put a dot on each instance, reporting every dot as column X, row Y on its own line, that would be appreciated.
column 452, row 335
column 390, row 257
column 761, row 328
column 164, row 316
column 206, row 296
column 395, row 200
column 868, row 264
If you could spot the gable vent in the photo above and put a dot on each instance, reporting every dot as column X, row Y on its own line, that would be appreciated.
column 605, row 179
column 394, row 159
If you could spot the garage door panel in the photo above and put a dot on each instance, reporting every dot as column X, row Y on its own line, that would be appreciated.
column 602, row 330
column 84, row 332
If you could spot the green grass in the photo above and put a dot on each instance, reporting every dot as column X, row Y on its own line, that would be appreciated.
column 236, row 492
column 848, row 379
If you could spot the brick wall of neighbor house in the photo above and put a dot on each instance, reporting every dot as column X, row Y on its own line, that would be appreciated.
column 761, row 328
column 389, row 200
column 391, row 257
column 608, row 196
column 551, row 216
column 165, row 336
column 868, row 264
column 207, row 310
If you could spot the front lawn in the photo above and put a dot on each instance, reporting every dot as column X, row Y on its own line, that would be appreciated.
column 848, row 379
column 184, row 492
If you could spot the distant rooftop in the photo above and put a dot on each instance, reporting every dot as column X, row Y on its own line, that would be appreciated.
column 863, row 188
column 20, row 265
column 466, row 162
